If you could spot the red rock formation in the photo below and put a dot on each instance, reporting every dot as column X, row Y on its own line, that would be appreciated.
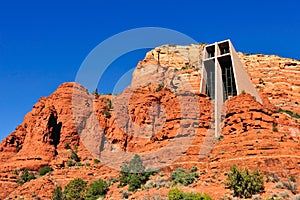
column 166, row 121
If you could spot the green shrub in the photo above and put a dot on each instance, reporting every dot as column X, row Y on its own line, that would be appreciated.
column 45, row 170
column 75, row 189
column 243, row 92
column 97, row 189
column 15, row 172
column 70, row 163
column 25, row 177
column 96, row 161
column 290, row 113
column 125, row 194
column 67, row 146
column 112, row 181
column 274, row 128
column 194, row 169
column 79, row 164
column 134, row 174
column 176, row 194
column 220, row 137
column 292, row 179
column 108, row 107
column 180, row 176
column 160, row 87
column 107, row 114
column 261, row 81
column 57, row 194
column 74, row 156
column 243, row 183
column 290, row 186
column 135, row 181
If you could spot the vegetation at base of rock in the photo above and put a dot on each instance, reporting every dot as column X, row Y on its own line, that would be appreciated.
column 78, row 189
column 73, row 158
column 243, row 183
column 189, row 66
column 220, row 137
column 134, row 174
column 96, row 161
column 112, row 181
column 25, row 177
column 67, row 146
column 290, row 113
column 75, row 189
column 274, row 128
column 45, row 170
column 182, row 177
column 107, row 114
column 160, row 87
column 70, row 163
column 292, row 179
column 57, row 194
column 74, row 155
column 176, row 194
column 290, row 186
column 97, row 189
column 108, row 107
column 194, row 169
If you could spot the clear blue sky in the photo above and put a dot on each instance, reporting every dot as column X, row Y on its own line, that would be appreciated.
column 43, row 43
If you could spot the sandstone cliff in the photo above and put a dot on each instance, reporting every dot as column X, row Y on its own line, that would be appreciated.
column 166, row 120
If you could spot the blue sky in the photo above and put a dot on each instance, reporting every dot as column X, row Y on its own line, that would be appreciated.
column 43, row 43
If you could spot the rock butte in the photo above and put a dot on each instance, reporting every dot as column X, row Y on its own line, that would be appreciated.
column 248, row 139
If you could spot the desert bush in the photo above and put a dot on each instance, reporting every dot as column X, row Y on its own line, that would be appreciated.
column 125, row 194
column 279, row 185
column 194, row 169
column 176, row 194
column 96, row 161
column 45, row 170
column 134, row 174
column 290, row 186
column 107, row 114
column 290, row 113
column 79, row 164
column 74, row 156
column 220, row 137
column 243, row 183
column 57, row 194
column 274, row 128
column 97, row 189
column 160, row 87
column 180, row 176
column 292, row 179
column 75, row 189
column 70, row 163
column 112, row 181
column 272, row 177
column 67, row 146
column 25, row 177
column 15, row 172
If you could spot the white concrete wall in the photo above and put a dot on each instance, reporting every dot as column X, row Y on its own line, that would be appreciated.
column 242, row 78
